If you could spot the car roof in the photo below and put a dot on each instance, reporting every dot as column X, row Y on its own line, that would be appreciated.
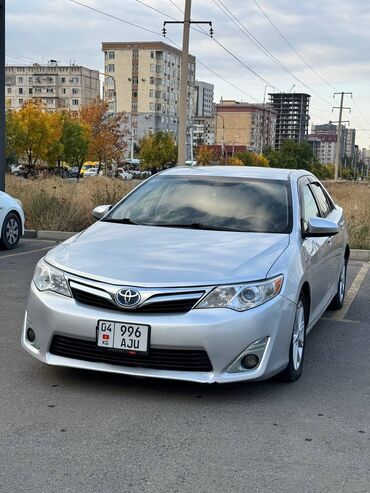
column 237, row 171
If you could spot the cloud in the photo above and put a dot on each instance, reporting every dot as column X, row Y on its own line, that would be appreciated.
column 331, row 35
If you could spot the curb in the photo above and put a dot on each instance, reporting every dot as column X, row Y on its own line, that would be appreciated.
column 48, row 235
column 363, row 255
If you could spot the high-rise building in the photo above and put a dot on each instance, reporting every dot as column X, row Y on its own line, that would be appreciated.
column 347, row 154
column 292, row 116
column 204, row 99
column 56, row 86
column 244, row 124
column 142, row 79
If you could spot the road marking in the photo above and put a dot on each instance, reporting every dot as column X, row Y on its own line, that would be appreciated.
column 352, row 293
column 26, row 253
column 345, row 320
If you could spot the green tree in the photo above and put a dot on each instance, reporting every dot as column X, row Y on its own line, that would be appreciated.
column 205, row 155
column 157, row 150
column 292, row 155
column 75, row 140
column 252, row 159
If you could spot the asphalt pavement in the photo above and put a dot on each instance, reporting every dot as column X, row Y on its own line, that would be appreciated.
column 64, row 430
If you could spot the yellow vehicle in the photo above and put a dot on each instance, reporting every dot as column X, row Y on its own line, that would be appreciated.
column 88, row 165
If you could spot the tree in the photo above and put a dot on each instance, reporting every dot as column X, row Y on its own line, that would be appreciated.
column 205, row 155
column 157, row 150
column 54, row 153
column 252, row 159
column 292, row 155
column 75, row 140
column 30, row 132
column 105, row 130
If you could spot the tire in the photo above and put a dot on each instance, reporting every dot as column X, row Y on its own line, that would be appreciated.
column 297, row 344
column 338, row 300
column 10, row 231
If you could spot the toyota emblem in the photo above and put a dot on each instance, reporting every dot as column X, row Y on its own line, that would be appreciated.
column 128, row 297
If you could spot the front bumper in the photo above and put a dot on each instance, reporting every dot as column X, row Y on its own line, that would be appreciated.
column 223, row 333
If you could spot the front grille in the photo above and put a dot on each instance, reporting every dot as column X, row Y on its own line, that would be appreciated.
column 173, row 306
column 157, row 359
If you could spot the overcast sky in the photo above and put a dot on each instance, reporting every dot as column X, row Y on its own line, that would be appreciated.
column 333, row 36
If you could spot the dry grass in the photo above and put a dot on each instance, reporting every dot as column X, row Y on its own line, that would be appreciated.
column 355, row 200
column 60, row 205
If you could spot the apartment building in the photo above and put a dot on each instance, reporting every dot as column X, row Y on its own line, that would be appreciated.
column 57, row 86
column 204, row 99
column 292, row 116
column 242, row 124
column 142, row 79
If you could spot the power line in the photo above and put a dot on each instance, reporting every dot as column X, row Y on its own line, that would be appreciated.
column 292, row 47
column 227, row 12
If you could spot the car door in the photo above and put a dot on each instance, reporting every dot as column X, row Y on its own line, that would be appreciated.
column 334, row 244
column 314, row 252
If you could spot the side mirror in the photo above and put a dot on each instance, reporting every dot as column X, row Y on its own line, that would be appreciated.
column 100, row 211
column 318, row 226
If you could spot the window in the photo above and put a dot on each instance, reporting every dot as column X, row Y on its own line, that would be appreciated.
column 134, row 94
column 20, row 80
column 63, row 79
column 20, row 90
column 20, row 101
column 212, row 202
column 111, row 55
column 135, row 54
column 152, row 54
column 64, row 90
column 9, row 90
column 74, row 102
column 310, row 208
column 151, row 106
column 109, row 68
column 74, row 90
column 50, row 90
column 30, row 90
column 152, row 68
column 151, row 93
column 134, row 106
column 74, row 80
column 152, row 80
column 323, row 201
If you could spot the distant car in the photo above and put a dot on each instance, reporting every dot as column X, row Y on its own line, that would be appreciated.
column 73, row 172
column 91, row 172
column 11, row 221
column 125, row 175
column 88, row 166
column 204, row 274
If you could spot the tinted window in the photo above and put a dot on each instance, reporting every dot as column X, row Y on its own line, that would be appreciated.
column 234, row 204
column 322, row 200
column 310, row 208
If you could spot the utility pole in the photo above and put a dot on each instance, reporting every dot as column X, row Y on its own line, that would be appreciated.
column 339, row 131
column 2, row 95
column 182, row 129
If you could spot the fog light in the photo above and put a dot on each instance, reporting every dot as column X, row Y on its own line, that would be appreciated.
column 250, row 361
column 31, row 336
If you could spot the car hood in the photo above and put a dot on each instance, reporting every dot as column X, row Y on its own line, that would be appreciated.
column 157, row 256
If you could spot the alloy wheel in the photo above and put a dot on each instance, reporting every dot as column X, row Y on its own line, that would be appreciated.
column 12, row 231
column 298, row 335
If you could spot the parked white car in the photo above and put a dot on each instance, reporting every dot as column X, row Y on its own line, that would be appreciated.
column 11, row 221
column 125, row 175
column 91, row 172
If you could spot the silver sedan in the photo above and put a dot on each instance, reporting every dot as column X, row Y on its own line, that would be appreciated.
column 205, row 274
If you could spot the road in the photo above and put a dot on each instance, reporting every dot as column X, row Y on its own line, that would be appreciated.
column 63, row 430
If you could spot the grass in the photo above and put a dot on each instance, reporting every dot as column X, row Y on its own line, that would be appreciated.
column 59, row 205
column 354, row 197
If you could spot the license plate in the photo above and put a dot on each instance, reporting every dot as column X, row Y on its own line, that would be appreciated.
column 128, row 337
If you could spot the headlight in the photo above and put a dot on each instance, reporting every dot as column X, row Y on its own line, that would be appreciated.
column 241, row 297
column 48, row 278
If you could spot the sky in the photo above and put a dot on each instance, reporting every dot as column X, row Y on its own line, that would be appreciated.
column 331, row 36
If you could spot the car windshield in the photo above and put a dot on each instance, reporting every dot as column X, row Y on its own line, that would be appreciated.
column 208, row 202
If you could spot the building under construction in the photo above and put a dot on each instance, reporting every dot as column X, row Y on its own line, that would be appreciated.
column 292, row 116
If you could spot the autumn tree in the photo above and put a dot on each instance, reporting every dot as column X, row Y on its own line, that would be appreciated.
column 157, row 150
column 106, row 135
column 205, row 155
column 252, row 159
column 30, row 132
column 75, row 141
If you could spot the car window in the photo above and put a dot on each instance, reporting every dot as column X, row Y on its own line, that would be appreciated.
column 309, row 206
column 205, row 202
column 322, row 200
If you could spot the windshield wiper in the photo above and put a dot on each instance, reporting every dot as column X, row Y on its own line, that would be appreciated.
column 192, row 226
column 124, row 220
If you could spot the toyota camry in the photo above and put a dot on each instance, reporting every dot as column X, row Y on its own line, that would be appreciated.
column 205, row 274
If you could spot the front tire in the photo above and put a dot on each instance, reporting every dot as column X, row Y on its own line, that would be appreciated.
column 10, row 231
column 298, row 342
